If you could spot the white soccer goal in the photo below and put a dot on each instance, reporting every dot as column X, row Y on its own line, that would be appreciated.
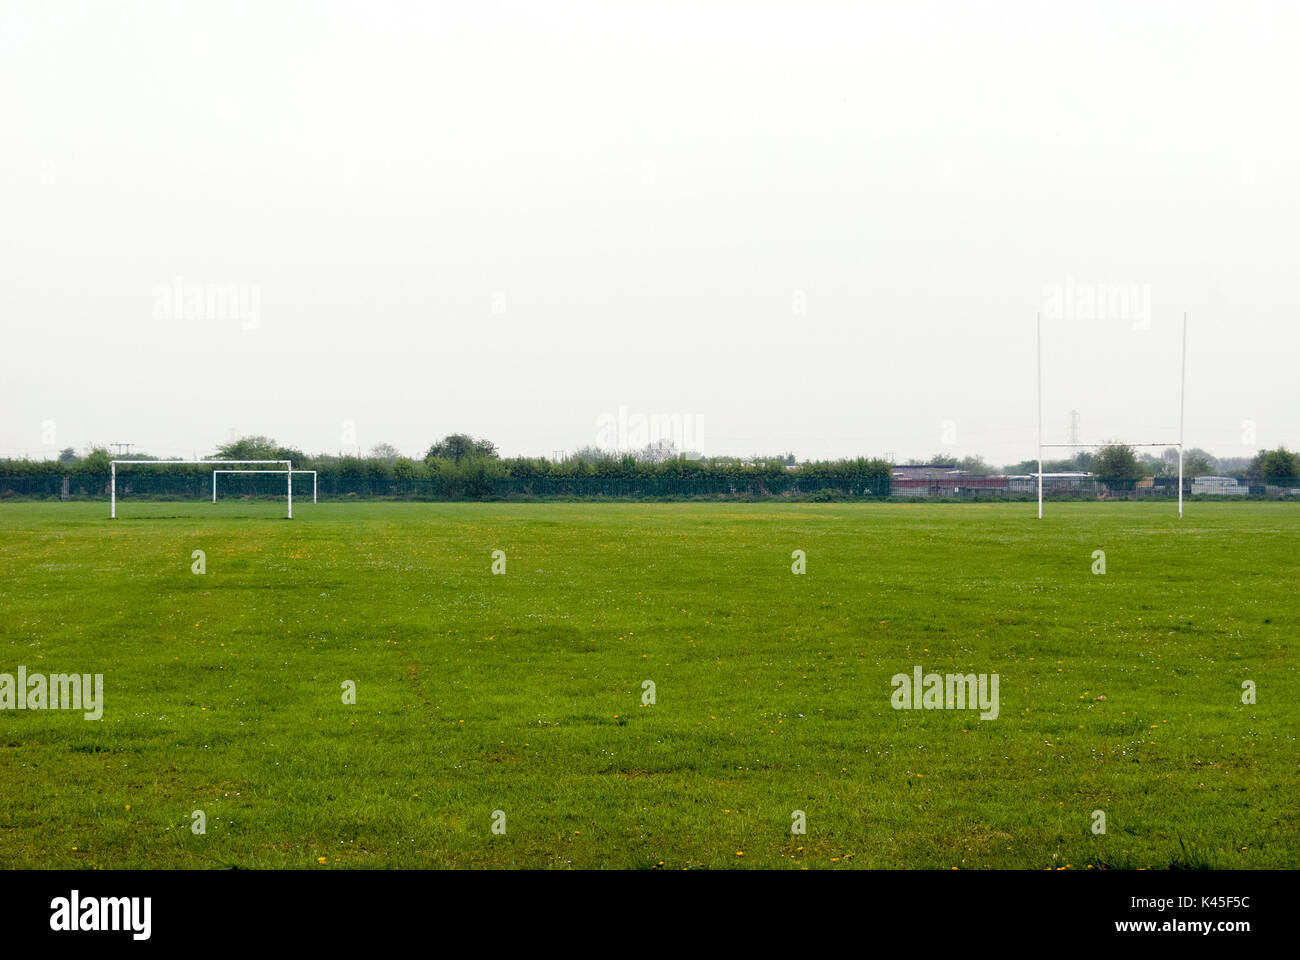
column 291, row 472
column 1182, row 406
column 112, row 467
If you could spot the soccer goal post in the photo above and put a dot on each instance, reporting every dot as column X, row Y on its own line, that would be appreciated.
column 1182, row 408
column 292, row 474
column 113, row 465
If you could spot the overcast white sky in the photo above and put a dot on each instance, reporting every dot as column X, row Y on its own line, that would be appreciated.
column 824, row 228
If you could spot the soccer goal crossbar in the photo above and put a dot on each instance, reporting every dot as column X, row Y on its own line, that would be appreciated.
column 1182, row 410
column 291, row 473
column 288, row 471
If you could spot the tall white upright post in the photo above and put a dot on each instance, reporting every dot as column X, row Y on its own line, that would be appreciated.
column 112, row 490
column 1182, row 408
column 1040, row 416
column 288, row 475
column 214, row 486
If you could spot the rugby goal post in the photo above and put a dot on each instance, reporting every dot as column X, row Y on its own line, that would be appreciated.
column 112, row 469
column 291, row 473
column 1182, row 409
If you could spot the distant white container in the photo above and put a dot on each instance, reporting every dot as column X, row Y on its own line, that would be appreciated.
column 1218, row 486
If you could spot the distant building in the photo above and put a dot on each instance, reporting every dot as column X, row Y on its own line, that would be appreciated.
column 1219, row 486
column 1069, row 482
column 925, row 471
column 955, row 483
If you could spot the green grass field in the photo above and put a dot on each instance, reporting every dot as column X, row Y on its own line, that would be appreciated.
column 522, row 693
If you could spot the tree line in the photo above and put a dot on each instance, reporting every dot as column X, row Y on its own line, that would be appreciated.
column 463, row 466
column 473, row 466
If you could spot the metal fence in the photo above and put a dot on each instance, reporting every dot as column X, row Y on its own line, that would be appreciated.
column 189, row 485
column 194, row 485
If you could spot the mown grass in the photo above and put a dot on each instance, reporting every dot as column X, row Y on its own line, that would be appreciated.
column 522, row 692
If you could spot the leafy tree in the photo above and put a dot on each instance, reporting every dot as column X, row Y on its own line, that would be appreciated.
column 385, row 452
column 469, row 477
column 590, row 454
column 461, row 446
column 258, row 448
column 1275, row 465
column 1156, row 466
column 1117, row 464
column 67, row 455
column 1196, row 462
column 96, row 460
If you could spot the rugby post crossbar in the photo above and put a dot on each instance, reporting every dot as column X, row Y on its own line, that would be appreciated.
column 291, row 473
column 1182, row 408
column 112, row 469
